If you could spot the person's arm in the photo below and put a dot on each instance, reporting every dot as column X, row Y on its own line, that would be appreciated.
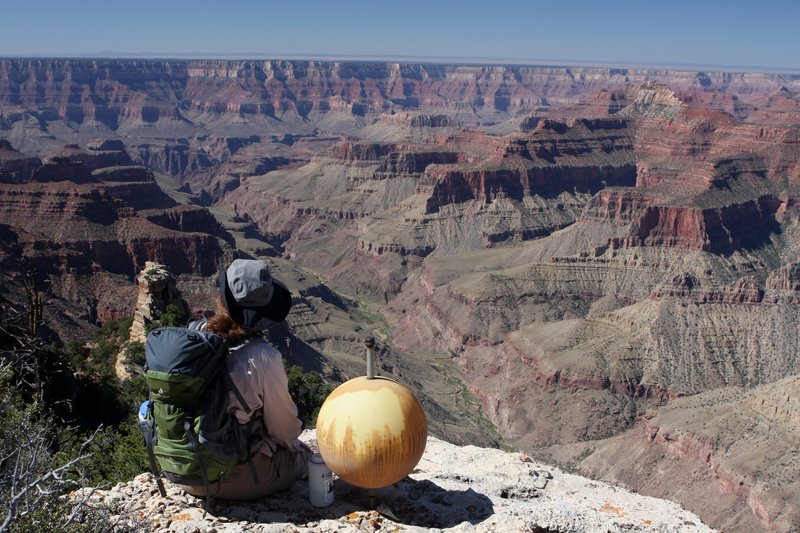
column 280, row 412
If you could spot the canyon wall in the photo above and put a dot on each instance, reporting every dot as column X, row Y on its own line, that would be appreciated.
column 88, row 229
column 112, row 92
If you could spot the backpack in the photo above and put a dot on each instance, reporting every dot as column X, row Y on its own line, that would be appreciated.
column 191, row 437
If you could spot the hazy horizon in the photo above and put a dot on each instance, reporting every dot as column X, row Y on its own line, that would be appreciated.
column 724, row 35
column 433, row 60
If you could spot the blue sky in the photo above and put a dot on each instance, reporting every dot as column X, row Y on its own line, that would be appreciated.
column 753, row 33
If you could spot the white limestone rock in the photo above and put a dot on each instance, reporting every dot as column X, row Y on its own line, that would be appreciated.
column 455, row 489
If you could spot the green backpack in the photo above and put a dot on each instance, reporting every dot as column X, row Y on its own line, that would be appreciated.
column 191, row 437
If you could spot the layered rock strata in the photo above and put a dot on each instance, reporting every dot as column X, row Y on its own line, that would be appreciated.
column 711, row 440
column 650, row 296
column 89, row 236
column 111, row 92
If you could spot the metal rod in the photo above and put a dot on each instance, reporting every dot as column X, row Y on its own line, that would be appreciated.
column 370, row 344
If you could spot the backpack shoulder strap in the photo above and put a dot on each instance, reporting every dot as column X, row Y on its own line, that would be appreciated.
column 236, row 392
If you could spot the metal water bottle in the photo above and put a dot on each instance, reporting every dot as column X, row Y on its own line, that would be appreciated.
column 320, row 482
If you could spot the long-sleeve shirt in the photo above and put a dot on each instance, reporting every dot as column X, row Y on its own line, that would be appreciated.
column 257, row 370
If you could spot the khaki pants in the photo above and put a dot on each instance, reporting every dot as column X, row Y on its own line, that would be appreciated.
column 274, row 474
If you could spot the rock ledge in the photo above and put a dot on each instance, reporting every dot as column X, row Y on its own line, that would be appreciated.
column 452, row 489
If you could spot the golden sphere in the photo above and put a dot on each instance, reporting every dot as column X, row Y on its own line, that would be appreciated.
column 371, row 432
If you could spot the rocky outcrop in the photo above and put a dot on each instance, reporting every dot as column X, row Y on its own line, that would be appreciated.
column 16, row 167
column 658, row 102
column 62, row 169
column 618, row 206
column 719, row 230
column 456, row 186
column 688, row 288
column 157, row 290
column 187, row 218
column 174, row 159
column 98, row 154
column 352, row 152
column 377, row 249
column 431, row 121
column 138, row 195
column 785, row 279
column 394, row 159
column 486, row 489
column 100, row 161
column 782, row 286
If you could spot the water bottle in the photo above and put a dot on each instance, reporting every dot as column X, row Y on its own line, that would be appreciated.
column 143, row 407
column 320, row 482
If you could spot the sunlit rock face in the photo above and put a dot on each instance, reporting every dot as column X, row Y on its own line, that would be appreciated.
column 371, row 432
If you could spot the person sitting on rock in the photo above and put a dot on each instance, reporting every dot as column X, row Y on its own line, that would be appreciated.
column 251, row 301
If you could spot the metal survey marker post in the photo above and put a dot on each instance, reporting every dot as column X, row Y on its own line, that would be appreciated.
column 369, row 342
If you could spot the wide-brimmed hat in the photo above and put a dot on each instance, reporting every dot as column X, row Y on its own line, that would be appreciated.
column 253, row 298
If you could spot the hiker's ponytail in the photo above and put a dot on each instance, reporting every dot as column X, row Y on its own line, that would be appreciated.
column 223, row 325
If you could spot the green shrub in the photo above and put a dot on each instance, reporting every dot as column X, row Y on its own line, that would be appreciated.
column 173, row 316
column 134, row 353
column 122, row 452
column 309, row 391
column 132, row 392
column 124, row 328
column 118, row 330
column 78, row 353
column 32, row 497
column 51, row 401
column 103, row 357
